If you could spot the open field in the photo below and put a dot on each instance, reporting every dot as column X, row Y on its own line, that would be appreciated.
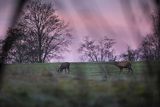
column 39, row 85
column 91, row 70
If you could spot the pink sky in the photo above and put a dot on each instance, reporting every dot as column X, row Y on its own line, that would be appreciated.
column 6, row 13
column 94, row 18
column 98, row 18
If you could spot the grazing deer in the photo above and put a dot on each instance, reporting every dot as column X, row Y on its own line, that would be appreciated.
column 124, row 64
column 64, row 66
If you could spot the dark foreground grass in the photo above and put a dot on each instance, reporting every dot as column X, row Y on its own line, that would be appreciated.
column 39, row 85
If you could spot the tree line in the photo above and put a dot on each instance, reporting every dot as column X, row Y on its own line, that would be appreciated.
column 42, row 36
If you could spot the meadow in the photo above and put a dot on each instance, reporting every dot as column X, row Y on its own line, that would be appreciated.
column 39, row 85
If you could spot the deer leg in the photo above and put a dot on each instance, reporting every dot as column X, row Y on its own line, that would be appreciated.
column 59, row 70
column 131, row 70
column 68, row 71
column 65, row 71
column 121, row 70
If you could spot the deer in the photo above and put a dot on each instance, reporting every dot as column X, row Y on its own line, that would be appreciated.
column 123, row 64
column 64, row 66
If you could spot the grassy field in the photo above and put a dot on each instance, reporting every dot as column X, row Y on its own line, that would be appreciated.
column 39, row 85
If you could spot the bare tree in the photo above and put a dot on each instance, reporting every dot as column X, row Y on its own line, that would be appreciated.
column 46, row 36
column 131, row 55
column 149, row 48
column 97, row 51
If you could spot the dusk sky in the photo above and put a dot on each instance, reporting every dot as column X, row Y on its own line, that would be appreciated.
column 94, row 18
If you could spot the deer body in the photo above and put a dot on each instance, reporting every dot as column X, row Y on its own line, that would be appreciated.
column 64, row 66
column 124, row 64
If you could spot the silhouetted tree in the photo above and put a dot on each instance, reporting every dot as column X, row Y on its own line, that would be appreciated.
column 131, row 55
column 149, row 49
column 45, row 35
column 17, row 53
column 97, row 51
column 1, row 44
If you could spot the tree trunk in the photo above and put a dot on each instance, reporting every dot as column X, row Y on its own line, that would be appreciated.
column 39, row 49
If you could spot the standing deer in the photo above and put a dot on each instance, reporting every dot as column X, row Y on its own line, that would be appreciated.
column 124, row 64
column 64, row 66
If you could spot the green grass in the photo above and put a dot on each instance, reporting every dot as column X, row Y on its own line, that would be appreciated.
column 39, row 85
column 93, row 71
column 87, row 68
